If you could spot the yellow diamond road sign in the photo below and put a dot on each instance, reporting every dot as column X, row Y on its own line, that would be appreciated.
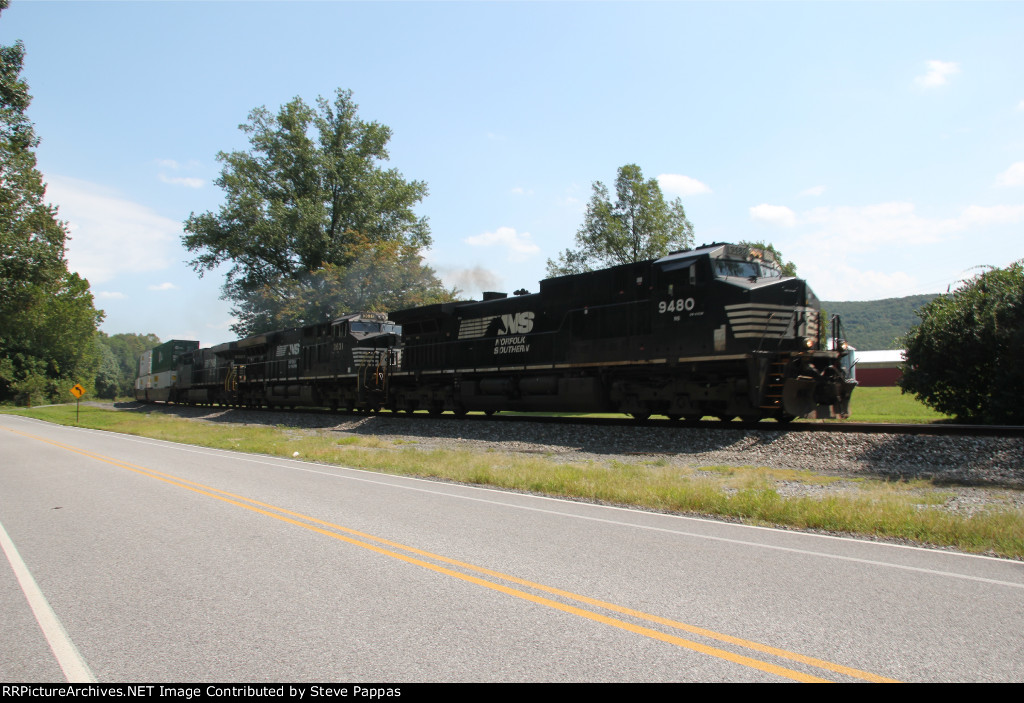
column 77, row 390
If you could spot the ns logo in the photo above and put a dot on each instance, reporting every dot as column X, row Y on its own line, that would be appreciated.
column 518, row 323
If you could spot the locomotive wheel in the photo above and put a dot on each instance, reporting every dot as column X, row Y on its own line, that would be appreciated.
column 460, row 412
column 726, row 418
column 692, row 419
column 436, row 411
column 784, row 417
column 640, row 416
column 673, row 418
column 489, row 413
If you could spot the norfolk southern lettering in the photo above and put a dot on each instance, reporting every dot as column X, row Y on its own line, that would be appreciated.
column 511, row 345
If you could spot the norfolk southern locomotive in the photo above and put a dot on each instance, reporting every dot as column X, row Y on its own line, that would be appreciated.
column 712, row 331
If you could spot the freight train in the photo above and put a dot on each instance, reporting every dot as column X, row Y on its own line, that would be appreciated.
column 714, row 331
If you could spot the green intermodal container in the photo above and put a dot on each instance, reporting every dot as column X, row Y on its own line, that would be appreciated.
column 165, row 357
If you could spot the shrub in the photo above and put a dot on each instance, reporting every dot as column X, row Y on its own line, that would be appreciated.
column 966, row 357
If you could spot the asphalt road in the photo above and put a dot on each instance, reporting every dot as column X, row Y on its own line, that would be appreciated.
column 164, row 562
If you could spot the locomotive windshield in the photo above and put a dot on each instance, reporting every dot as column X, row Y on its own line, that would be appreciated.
column 375, row 328
column 745, row 269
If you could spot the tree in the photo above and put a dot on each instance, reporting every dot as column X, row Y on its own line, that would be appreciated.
column 638, row 226
column 119, row 365
column 379, row 277
column 47, row 317
column 788, row 267
column 302, row 206
column 964, row 358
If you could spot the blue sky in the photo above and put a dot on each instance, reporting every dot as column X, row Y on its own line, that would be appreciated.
column 880, row 146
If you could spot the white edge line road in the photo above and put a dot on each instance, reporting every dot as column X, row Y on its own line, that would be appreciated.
column 71, row 662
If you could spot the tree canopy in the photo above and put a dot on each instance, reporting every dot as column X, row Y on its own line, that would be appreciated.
column 964, row 358
column 119, row 362
column 47, row 318
column 639, row 225
column 305, row 207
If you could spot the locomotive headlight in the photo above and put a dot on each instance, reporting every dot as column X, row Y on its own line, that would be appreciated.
column 809, row 342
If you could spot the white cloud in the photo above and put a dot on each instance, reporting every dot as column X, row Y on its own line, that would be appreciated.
column 182, row 181
column 163, row 286
column 677, row 184
column 1020, row 106
column 889, row 249
column 870, row 227
column 109, row 295
column 172, row 165
column 521, row 191
column 880, row 224
column 574, row 204
column 774, row 214
column 815, row 191
column 111, row 235
column 993, row 215
column 833, row 279
column 938, row 73
column 1013, row 176
column 519, row 247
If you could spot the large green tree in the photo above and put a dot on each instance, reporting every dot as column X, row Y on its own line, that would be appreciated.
column 639, row 225
column 47, row 317
column 303, row 206
column 966, row 357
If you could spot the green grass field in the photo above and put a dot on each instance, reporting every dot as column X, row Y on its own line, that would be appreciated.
column 866, row 405
column 890, row 405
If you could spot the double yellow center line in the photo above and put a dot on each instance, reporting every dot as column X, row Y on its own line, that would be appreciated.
column 468, row 572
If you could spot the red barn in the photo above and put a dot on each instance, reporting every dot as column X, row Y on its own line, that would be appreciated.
column 878, row 368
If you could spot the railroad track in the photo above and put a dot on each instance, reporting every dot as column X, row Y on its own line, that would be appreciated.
column 770, row 426
column 937, row 429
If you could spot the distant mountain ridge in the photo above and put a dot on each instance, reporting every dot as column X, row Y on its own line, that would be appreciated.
column 878, row 324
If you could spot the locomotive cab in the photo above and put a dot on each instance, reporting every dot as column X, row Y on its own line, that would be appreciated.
column 362, row 339
column 733, row 305
column 368, row 345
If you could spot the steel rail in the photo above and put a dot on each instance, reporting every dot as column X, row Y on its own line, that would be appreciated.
column 838, row 426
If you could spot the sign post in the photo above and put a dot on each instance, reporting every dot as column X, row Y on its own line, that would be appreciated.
column 78, row 391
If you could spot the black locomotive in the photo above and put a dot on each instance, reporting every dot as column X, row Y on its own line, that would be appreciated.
column 346, row 363
column 712, row 331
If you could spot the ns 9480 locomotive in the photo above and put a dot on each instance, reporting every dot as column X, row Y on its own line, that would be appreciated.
column 714, row 331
